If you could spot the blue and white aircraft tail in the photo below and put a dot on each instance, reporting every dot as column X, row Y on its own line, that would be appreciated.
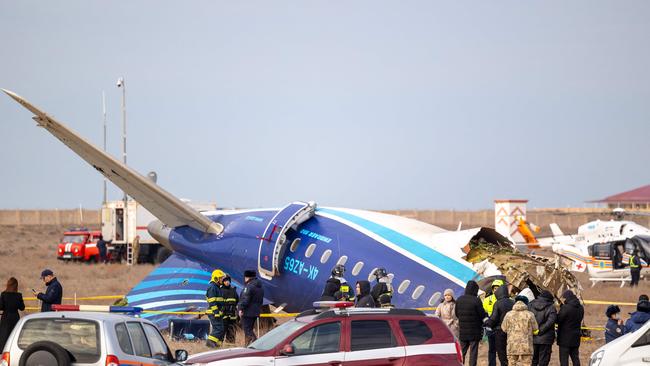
column 294, row 248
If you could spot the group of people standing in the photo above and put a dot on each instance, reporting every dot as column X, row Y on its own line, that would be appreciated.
column 338, row 289
column 226, row 307
column 11, row 302
column 520, row 328
column 615, row 327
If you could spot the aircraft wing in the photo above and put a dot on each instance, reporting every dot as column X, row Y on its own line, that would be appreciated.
column 170, row 210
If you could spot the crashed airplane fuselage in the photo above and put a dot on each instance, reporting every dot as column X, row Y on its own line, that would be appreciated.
column 295, row 247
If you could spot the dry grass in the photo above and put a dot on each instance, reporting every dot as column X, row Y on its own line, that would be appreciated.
column 25, row 251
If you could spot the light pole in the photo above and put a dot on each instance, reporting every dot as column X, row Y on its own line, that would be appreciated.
column 125, row 212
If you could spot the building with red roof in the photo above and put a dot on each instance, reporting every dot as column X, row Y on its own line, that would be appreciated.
column 638, row 198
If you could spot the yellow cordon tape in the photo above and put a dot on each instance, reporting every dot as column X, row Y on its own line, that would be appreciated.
column 107, row 297
column 598, row 302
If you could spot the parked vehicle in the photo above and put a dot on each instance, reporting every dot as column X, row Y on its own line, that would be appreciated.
column 79, row 244
column 355, row 336
column 86, row 338
column 629, row 349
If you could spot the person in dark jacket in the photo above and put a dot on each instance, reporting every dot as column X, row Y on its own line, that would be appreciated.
column 10, row 302
column 54, row 292
column 470, row 314
column 639, row 317
column 543, row 307
column 614, row 327
column 101, row 247
column 332, row 286
column 503, row 305
column 250, row 304
column 569, row 321
column 382, row 291
column 230, row 300
column 364, row 299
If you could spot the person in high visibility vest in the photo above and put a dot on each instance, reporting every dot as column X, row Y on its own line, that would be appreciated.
column 215, row 300
column 488, row 306
column 635, row 268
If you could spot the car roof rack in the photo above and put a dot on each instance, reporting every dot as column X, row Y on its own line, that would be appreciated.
column 366, row 311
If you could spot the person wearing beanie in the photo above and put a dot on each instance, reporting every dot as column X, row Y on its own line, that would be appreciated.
column 230, row 300
column 639, row 317
column 470, row 313
column 543, row 308
column 528, row 293
column 520, row 326
column 569, row 321
column 614, row 327
column 446, row 311
column 250, row 304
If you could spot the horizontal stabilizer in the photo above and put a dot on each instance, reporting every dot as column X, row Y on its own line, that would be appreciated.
column 167, row 208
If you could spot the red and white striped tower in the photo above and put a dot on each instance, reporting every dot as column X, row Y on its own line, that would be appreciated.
column 506, row 213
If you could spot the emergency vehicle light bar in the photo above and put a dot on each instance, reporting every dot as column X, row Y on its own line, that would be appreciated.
column 333, row 304
column 98, row 308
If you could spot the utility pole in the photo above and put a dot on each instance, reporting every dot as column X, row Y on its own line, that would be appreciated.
column 125, row 212
column 104, row 120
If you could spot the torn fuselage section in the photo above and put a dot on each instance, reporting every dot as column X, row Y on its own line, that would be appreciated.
column 494, row 256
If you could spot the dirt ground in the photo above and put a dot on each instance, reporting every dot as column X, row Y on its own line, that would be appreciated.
column 25, row 251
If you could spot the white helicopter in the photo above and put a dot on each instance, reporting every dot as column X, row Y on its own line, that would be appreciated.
column 603, row 247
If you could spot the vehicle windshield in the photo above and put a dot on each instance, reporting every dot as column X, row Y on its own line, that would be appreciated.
column 78, row 336
column 277, row 335
column 73, row 239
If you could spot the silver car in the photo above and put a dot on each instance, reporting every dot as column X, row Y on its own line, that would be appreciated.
column 87, row 338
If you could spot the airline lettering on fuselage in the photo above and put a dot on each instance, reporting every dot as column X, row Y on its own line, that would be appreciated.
column 297, row 267
column 254, row 218
column 316, row 236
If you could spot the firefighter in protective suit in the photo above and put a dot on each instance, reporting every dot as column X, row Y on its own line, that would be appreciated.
column 214, row 296
column 382, row 291
column 345, row 293
column 231, row 299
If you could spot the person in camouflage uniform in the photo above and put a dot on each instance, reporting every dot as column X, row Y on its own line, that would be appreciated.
column 520, row 325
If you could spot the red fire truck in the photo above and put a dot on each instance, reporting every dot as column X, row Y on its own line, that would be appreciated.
column 79, row 244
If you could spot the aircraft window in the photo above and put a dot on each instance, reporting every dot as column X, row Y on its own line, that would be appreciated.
column 357, row 268
column 434, row 299
column 326, row 256
column 417, row 292
column 371, row 276
column 391, row 276
column 342, row 260
column 403, row 286
column 294, row 245
column 310, row 250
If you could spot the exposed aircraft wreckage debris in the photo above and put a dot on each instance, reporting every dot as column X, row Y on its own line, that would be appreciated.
column 495, row 259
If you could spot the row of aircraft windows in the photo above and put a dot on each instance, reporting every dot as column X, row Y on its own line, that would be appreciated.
column 403, row 286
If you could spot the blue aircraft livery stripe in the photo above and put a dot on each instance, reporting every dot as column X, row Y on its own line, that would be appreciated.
column 432, row 256
column 162, row 294
column 174, row 270
column 171, row 282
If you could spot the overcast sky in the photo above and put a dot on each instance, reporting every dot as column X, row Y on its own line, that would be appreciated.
column 364, row 104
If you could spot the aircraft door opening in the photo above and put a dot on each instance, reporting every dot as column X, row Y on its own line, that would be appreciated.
column 273, row 242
